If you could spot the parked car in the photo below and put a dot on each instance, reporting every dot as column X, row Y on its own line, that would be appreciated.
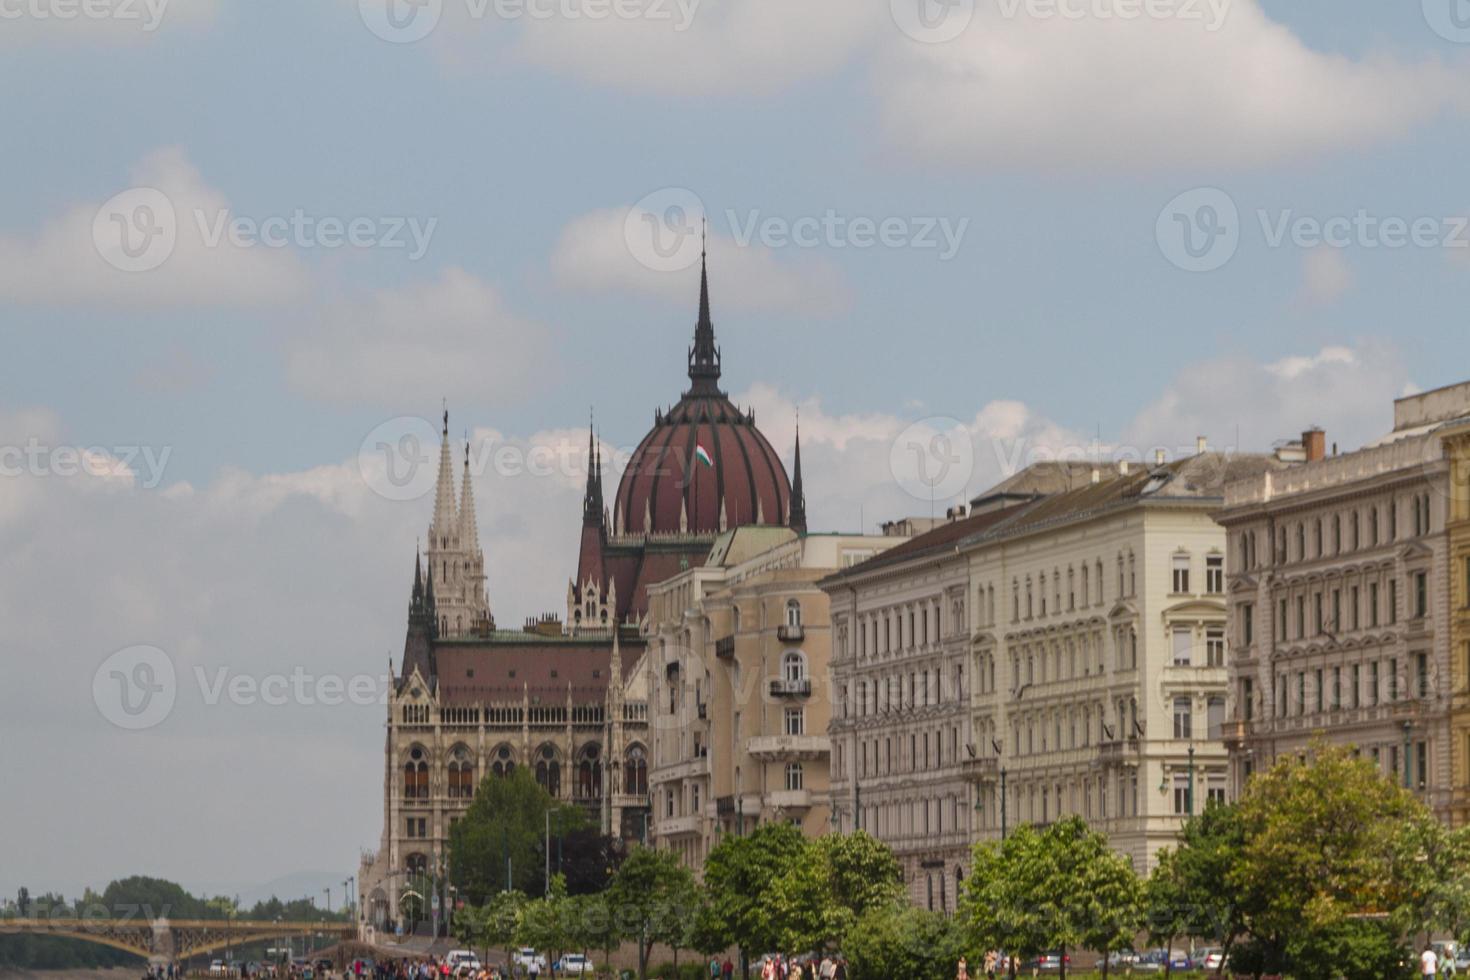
column 1462, row 960
column 1210, row 959
column 574, row 963
column 1050, row 961
column 1123, row 958
column 217, row 968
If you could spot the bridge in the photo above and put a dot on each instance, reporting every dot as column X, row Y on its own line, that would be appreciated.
column 163, row 939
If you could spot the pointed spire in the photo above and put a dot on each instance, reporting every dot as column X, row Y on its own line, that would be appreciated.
column 592, row 495
column 704, row 356
column 431, row 608
column 416, row 607
column 469, row 530
column 446, row 515
column 798, row 494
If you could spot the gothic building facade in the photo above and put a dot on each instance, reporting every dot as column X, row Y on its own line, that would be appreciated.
column 567, row 699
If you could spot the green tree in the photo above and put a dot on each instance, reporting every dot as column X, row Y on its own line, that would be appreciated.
column 546, row 923
column 506, row 824
column 837, row 879
column 491, row 925
column 644, row 897
column 998, row 905
column 1186, row 893
column 896, row 940
column 739, row 874
column 1329, row 846
column 23, row 901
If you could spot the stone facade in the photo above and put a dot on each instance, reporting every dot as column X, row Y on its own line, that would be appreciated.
column 740, row 694
column 1348, row 603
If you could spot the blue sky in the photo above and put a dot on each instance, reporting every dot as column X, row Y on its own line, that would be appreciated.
column 1061, row 315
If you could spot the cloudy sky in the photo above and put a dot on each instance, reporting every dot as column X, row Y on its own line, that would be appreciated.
column 243, row 245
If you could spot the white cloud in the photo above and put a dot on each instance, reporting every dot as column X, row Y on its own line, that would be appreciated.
column 673, row 48
column 453, row 336
column 594, row 254
column 63, row 263
column 1326, row 276
column 1054, row 93
column 1243, row 404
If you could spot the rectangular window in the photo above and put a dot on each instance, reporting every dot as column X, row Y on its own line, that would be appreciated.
column 1321, row 692
column 1373, row 681
column 1336, row 702
column 1316, row 614
column 1247, row 624
column 1421, row 595
column 1181, row 573
column 1356, row 692
column 1183, row 643
column 1372, row 603
column 1215, row 646
column 1247, row 698
column 1421, row 676
column 1183, row 720
column 795, row 721
column 1215, row 716
column 1393, row 678
column 1357, row 608
column 1181, row 795
column 1215, row 574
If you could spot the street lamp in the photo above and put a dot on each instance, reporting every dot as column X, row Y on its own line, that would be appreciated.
column 1408, row 764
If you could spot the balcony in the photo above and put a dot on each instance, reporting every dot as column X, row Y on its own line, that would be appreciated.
column 980, row 770
column 790, row 799
column 790, row 634
column 725, row 647
column 789, row 748
column 785, row 687
column 1118, row 752
column 1234, row 733
column 677, row 826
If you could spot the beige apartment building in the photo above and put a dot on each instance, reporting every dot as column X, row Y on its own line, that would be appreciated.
column 738, row 681
column 1349, row 609
column 1059, row 650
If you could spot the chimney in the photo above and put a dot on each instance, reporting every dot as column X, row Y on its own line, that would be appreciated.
column 1199, row 445
column 1314, row 441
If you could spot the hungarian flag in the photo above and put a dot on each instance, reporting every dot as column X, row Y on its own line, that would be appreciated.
column 702, row 454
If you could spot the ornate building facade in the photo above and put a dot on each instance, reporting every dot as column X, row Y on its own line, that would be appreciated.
column 739, row 688
column 1350, row 603
column 568, row 700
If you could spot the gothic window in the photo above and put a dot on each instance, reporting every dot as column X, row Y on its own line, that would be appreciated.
column 548, row 771
column 461, row 774
column 636, row 782
column 503, row 764
column 416, row 776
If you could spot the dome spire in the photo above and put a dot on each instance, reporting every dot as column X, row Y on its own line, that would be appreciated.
column 592, row 497
column 798, row 496
column 704, row 356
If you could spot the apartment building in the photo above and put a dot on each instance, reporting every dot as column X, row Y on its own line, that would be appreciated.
column 1350, row 602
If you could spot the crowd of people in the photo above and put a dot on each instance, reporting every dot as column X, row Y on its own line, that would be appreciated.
column 779, row 967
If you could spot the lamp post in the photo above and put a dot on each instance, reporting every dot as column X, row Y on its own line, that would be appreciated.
column 1189, row 793
column 1002, row 802
column 1408, row 764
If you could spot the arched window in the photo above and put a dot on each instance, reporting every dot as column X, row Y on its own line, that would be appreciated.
column 503, row 764
column 416, row 775
column 589, row 774
column 636, row 767
column 793, row 612
column 461, row 774
column 418, row 864
column 548, row 771
column 793, row 665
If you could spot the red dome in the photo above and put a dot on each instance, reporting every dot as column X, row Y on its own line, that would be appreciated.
column 704, row 453
column 668, row 481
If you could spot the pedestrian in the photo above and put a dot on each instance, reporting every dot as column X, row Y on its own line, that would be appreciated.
column 727, row 969
column 1429, row 963
column 991, row 961
column 962, row 970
